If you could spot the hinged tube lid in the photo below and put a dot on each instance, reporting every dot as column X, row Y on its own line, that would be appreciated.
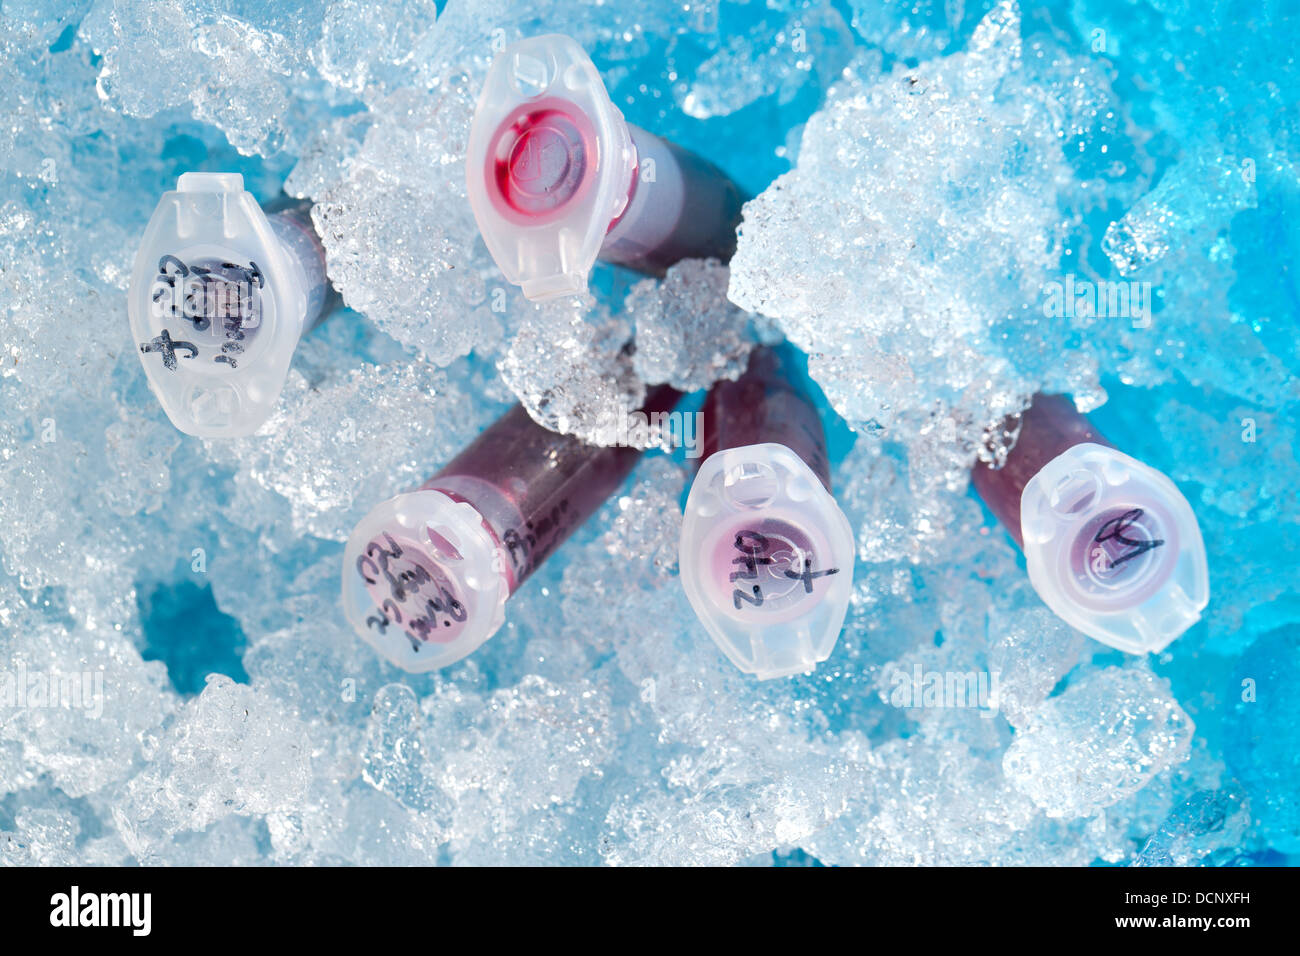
column 216, row 305
column 1113, row 548
column 766, row 559
column 549, row 166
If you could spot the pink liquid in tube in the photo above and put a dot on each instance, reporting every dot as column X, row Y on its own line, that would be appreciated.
column 766, row 554
column 1111, row 545
column 291, row 220
column 426, row 574
column 557, row 178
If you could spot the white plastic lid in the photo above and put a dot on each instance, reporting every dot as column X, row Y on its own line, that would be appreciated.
column 217, row 305
column 1113, row 548
column 423, row 580
column 766, row 559
column 550, row 165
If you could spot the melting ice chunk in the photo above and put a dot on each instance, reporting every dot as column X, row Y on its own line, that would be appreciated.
column 908, row 251
column 687, row 333
column 1100, row 741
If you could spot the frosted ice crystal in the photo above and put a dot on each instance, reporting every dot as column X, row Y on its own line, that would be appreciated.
column 1264, row 753
column 50, row 444
column 40, row 837
column 1205, row 220
column 914, row 28
column 394, row 756
column 937, row 804
column 332, row 447
column 398, row 231
column 1030, row 651
column 1242, row 459
column 606, row 583
column 1200, row 193
column 230, row 751
column 897, row 520
column 687, row 333
column 141, row 463
column 236, row 74
column 1240, row 466
column 365, row 44
column 571, row 367
column 78, row 705
column 1209, row 822
column 807, row 44
column 914, row 311
column 741, row 776
column 516, row 750
column 1098, row 742
column 1178, row 238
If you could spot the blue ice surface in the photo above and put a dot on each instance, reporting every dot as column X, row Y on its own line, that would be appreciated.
column 213, row 641
column 1180, row 70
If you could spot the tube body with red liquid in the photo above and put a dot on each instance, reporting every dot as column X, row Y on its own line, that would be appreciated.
column 1111, row 545
column 766, row 555
column 764, row 406
column 557, row 178
column 680, row 206
column 426, row 574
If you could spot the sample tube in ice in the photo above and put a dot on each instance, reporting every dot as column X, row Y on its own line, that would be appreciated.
column 766, row 555
column 1111, row 544
column 557, row 178
column 426, row 574
column 221, row 292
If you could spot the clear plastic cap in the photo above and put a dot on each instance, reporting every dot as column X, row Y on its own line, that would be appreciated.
column 1113, row 548
column 766, row 559
column 423, row 580
column 549, row 165
column 217, row 305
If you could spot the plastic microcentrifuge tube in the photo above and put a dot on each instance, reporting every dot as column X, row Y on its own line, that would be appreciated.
column 557, row 178
column 221, row 292
column 426, row 574
column 1111, row 544
column 766, row 554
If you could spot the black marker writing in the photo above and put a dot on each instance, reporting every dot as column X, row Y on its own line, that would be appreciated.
column 224, row 292
column 1115, row 529
column 750, row 558
column 753, row 548
column 757, row 600
column 166, row 347
column 407, row 584
column 807, row 575
column 171, row 266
